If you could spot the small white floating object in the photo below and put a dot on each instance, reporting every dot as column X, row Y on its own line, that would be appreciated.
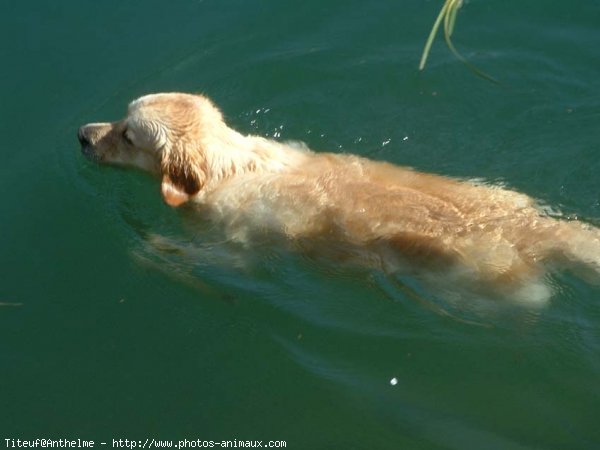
column 394, row 381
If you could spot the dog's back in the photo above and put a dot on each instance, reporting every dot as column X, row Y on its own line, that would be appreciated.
column 402, row 217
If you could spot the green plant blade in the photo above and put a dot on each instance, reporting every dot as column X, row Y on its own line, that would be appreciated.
column 456, row 53
column 451, row 16
column 432, row 34
column 448, row 15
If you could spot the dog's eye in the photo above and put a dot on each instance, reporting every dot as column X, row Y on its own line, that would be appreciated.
column 126, row 138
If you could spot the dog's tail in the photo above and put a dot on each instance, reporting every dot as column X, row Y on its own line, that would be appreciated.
column 575, row 246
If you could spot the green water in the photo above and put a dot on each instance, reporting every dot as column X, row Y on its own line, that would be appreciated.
column 102, row 336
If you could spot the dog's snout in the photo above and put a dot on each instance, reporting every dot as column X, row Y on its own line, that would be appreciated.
column 83, row 139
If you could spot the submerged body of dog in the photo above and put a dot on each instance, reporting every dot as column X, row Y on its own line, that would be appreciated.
column 342, row 206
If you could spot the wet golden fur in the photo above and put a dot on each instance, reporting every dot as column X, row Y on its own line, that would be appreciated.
column 342, row 206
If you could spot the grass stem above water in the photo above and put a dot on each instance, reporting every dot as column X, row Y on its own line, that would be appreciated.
column 447, row 15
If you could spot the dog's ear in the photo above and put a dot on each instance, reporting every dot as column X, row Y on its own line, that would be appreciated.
column 183, row 175
column 172, row 194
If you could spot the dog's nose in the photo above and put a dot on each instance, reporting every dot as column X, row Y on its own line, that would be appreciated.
column 83, row 140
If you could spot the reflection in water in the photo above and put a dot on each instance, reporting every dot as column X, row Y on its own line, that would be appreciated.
column 409, row 412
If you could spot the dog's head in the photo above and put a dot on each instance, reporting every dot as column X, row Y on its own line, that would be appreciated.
column 162, row 134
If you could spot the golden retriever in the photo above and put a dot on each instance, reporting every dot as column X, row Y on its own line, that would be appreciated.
column 342, row 206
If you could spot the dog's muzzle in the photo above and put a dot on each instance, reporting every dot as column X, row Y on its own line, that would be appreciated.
column 86, row 146
column 83, row 140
